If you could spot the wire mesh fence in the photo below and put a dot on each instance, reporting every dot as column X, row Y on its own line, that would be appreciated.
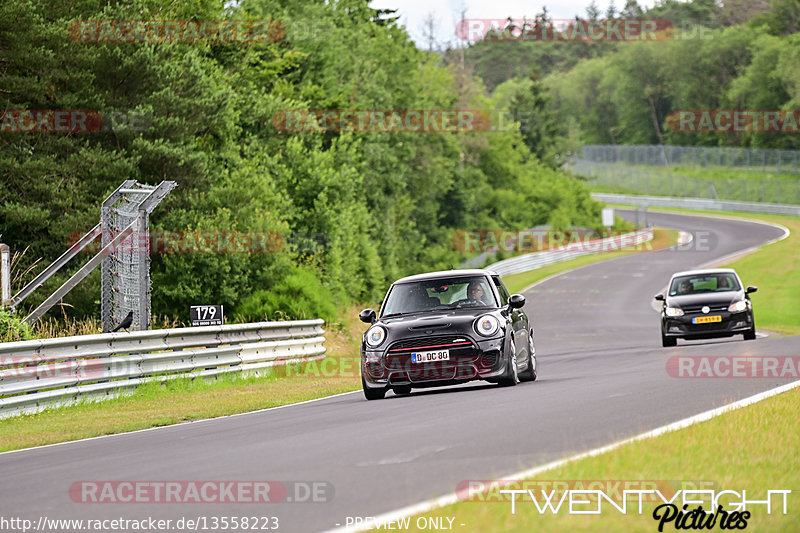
column 754, row 159
column 626, row 179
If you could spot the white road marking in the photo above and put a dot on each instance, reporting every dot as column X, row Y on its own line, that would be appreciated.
column 181, row 423
column 452, row 498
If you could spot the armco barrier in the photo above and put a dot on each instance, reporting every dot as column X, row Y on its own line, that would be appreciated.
column 532, row 261
column 46, row 372
column 697, row 203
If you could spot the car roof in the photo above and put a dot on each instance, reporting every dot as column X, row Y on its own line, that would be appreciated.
column 705, row 271
column 447, row 274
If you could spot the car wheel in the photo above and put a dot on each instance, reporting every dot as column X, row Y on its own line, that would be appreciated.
column 372, row 394
column 512, row 377
column 667, row 342
column 750, row 334
column 529, row 374
column 401, row 390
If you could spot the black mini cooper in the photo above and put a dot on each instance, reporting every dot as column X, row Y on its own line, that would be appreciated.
column 703, row 304
column 444, row 328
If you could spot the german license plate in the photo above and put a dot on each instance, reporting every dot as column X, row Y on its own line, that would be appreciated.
column 428, row 357
column 706, row 319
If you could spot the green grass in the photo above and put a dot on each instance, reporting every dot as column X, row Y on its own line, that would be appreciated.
column 181, row 400
column 759, row 446
column 728, row 184
column 722, row 173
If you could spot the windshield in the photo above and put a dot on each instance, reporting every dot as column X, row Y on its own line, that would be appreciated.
column 442, row 293
column 703, row 283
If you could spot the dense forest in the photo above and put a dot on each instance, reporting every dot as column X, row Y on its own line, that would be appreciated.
column 728, row 55
column 357, row 209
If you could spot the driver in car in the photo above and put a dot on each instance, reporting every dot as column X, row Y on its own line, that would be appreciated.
column 475, row 292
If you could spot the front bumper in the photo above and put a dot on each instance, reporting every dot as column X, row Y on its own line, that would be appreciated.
column 730, row 324
column 482, row 360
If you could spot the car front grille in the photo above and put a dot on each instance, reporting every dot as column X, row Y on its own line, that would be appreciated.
column 691, row 309
column 432, row 342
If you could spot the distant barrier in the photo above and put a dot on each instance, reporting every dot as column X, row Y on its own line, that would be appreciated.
column 532, row 261
column 697, row 203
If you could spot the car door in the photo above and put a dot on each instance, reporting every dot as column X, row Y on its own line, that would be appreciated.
column 519, row 321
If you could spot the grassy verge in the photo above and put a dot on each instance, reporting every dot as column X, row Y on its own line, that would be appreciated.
column 662, row 238
column 182, row 400
column 773, row 269
column 719, row 173
column 760, row 446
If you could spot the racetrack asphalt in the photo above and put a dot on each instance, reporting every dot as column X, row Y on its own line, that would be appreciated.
column 602, row 377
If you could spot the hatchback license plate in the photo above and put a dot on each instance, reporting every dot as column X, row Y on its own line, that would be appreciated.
column 428, row 357
column 706, row 319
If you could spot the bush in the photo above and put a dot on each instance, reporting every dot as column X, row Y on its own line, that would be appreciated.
column 297, row 296
column 13, row 329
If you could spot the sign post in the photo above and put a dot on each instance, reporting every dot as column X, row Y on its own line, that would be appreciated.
column 608, row 216
column 206, row 315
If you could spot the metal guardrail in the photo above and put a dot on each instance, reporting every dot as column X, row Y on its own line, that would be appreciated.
column 42, row 373
column 532, row 261
column 697, row 203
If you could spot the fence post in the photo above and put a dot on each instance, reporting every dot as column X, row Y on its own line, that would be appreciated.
column 5, row 276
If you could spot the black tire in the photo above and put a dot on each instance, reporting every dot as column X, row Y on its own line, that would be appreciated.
column 668, row 342
column 372, row 394
column 750, row 334
column 402, row 390
column 529, row 374
column 511, row 378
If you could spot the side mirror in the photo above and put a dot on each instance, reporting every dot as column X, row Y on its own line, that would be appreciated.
column 659, row 297
column 368, row 316
column 750, row 289
column 516, row 301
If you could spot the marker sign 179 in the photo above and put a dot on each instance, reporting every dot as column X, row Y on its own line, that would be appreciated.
column 205, row 315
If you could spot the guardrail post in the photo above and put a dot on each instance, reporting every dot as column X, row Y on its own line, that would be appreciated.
column 5, row 275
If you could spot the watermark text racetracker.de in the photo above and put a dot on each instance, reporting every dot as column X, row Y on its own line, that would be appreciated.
column 176, row 31
column 201, row 241
column 734, row 120
column 203, row 491
column 564, row 30
column 734, row 366
column 72, row 121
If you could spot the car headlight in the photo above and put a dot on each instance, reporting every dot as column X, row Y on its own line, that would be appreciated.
column 674, row 311
column 738, row 307
column 487, row 325
column 376, row 335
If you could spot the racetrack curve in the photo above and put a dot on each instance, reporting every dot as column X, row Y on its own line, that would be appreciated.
column 602, row 378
